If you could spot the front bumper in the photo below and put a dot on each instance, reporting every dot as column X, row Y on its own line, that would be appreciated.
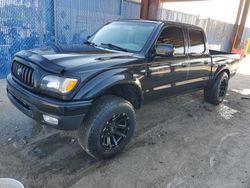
column 70, row 114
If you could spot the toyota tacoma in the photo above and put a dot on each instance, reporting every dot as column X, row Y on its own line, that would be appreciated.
column 95, row 87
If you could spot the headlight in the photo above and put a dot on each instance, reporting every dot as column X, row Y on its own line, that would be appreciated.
column 58, row 84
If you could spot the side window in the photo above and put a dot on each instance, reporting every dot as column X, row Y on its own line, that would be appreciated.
column 174, row 36
column 196, row 41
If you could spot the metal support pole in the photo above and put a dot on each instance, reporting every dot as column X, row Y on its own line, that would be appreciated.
column 55, row 22
column 153, row 9
column 242, row 23
column 144, row 9
column 49, row 20
column 236, row 25
column 149, row 9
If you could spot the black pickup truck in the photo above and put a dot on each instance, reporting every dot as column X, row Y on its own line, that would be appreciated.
column 95, row 87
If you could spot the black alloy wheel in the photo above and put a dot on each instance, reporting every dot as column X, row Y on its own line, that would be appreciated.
column 115, row 131
column 222, row 88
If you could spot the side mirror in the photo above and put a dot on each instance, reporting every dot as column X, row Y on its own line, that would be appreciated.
column 164, row 50
column 88, row 37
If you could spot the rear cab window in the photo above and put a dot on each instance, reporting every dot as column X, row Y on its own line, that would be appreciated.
column 196, row 42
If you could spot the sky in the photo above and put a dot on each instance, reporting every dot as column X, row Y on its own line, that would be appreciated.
column 223, row 10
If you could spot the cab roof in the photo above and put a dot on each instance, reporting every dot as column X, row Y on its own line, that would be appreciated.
column 159, row 22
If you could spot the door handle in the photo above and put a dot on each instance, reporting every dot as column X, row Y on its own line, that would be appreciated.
column 206, row 62
column 184, row 64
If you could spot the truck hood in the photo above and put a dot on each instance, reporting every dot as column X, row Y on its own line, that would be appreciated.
column 63, row 58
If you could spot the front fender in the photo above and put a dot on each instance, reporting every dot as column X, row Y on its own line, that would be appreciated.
column 97, row 85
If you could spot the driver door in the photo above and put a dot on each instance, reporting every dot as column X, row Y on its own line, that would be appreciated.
column 167, row 75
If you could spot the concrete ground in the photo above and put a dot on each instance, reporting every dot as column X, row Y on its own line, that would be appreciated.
column 179, row 142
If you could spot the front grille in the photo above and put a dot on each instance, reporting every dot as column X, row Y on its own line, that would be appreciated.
column 23, row 73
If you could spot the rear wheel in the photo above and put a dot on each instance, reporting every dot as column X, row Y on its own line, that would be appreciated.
column 217, row 92
column 108, row 127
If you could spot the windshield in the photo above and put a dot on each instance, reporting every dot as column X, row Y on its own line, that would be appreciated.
column 130, row 36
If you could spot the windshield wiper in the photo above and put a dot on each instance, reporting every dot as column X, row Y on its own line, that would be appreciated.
column 90, row 43
column 114, row 47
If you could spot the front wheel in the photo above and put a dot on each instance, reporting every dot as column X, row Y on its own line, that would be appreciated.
column 108, row 127
column 217, row 92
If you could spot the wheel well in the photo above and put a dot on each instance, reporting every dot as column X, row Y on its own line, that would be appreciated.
column 128, row 92
column 216, row 76
column 228, row 72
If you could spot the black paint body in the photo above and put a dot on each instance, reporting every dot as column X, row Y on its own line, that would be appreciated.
column 99, row 69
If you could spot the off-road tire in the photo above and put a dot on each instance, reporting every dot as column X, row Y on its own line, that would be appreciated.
column 214, row 94
column 104, row 109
